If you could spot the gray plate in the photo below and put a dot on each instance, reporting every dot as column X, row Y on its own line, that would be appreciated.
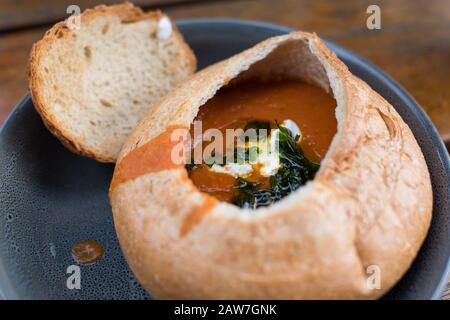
column 51, row 198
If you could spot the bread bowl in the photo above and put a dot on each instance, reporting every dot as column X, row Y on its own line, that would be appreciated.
column 369, row 204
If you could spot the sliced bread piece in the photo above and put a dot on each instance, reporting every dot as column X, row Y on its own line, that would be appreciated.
column 91, row 85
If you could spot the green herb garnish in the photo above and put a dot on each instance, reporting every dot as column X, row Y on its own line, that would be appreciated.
column 295, row 171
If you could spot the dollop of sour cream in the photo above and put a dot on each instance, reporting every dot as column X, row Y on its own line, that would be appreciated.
column 292, row 126
column 233, row 169
column 164, row 28
column 268, row 157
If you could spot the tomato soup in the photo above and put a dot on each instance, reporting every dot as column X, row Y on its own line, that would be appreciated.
column 308, row 106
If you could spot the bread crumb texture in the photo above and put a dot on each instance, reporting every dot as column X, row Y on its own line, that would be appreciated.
column 93, row 84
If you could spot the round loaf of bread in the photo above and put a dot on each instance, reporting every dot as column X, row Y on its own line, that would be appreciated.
column 351, row 233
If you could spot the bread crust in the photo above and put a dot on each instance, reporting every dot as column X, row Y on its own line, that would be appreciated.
column 369, row 205
column 128, row 13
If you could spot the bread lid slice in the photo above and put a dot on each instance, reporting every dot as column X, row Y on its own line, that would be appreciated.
column 91, row 85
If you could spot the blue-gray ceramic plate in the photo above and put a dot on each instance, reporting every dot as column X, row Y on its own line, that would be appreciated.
column 50, row 198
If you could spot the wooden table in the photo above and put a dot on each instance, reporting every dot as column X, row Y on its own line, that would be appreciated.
column 413, row 45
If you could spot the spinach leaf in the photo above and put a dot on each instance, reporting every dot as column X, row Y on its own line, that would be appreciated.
column 295, row 171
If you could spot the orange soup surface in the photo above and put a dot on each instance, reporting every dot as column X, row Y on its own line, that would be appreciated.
column 310, row 107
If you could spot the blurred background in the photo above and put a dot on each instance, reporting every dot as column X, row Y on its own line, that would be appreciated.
column 413, row 44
